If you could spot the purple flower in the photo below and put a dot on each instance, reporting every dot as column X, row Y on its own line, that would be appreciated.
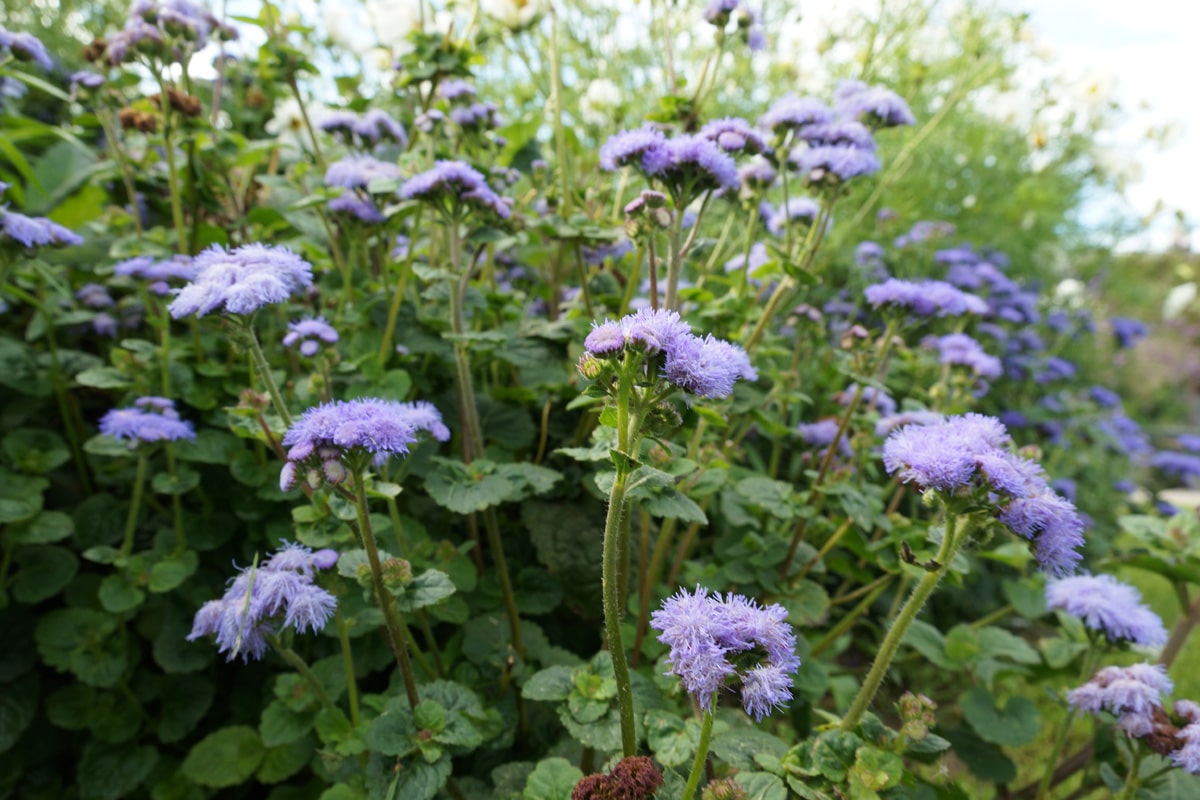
column 1108, row 605
column 241, row 281
column 707, row 367
column 251, row 608
column 757, row 173
column 943, row 455
column 1055, row 524
column 1187, row 757
column 707, row 633
column 734, row 135
column 93, row 295
column 1104, row 397
column 868, row 253
column 758, row 257
column 458, row 185
column 833, row 164
column 820, row 434
column 632, row 148
column 889, row 423
column 692, row 162
column 927, row 298
column 86, row 79
column 717, row 12
column 961, row 349
column 798, row 208
column 376, row 125
column 455, row 89
column 872, row 398
column 357, row 172
column 35, row 231
column 322, row 435
column 24, row 46
column 1119, row 690
column 792, row 112
column 354, row 204
column 476, row 116
column 838, row 133
column 153, row 419
column 879, row 107
column 309, row 333
column 1176, row 465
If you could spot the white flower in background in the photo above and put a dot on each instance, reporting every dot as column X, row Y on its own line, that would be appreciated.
column 1178, row 300
column 341, row 25
column 598, row 103
column 514, row 14
column 393, row 21
column 287, row 125
column 1069, row 292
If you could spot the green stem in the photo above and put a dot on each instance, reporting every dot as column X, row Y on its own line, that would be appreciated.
column 610, row 576
column 674, row 260
column 847, row 622
column 264, row 370
column 389, row 329
column 560, row 137
column 1129, row 790
column 297, row 663
column 391, row 615
column 693, row 783
column 135, row 504
column 172, row 177
column 951, row 541
column 348, row 665
column 473, row 434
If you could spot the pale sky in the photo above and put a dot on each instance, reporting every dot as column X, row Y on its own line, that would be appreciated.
column 1151, row 50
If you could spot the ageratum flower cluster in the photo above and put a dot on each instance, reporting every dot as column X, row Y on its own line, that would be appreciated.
column 1132, row 694
column 157, row 271
column 686, row 165
column 33, row 231
column 369, row 128
column 152, row 419
column 241, row 281
column 251, row 608
column 325, row 436
column 924, row 298
column 454, row 188
column 24, row 46
column 308, row 334
column 724, row 643
column 966, row 454
column 1107, row 605
column 706, row 367
column 164, row 30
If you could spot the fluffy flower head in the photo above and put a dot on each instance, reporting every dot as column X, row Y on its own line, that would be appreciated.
column 241, row 281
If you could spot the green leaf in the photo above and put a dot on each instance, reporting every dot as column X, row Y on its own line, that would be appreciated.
column 929, row 642
column 834, row 752
column 107, row 772
column 1027, row 597
column 740, row 747
column 42, row 571
column 552, row 779
column 185, row 700
column 807, row 604
column 182, row 482
column 1017, row 723
column 281, row 725
column 36, row 450
column 20, row 496
column 281, row 763
column 551, row 684
column 430, row 587
column 82, row 640
column 421, row 780
column 209, row 447
column 391, row 733
column 463, row 488
column 18, row 704
column 225, row 757
column 118, row 595
column 172, row 571
column 985, row 760
column 999, row 643
column 45, row 528
column 877, row 769
column 761, row 786
column 103, row 378
column 672, row 740
column 764, row 494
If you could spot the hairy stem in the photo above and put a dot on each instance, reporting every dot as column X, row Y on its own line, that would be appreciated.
column 693, row 783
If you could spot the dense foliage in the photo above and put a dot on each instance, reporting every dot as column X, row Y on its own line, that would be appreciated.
column 574, row 403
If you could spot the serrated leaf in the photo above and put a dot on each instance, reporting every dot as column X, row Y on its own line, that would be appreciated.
column 672, row 740
column 761, row 786
column 118, row 595
column 833, row 754
column 47, row 527
column 282, row 762
column 552, row 779
column 18, row 704
column 41, row 572
column 426, row 589
column 169, row 573
column 107, row 772
column 20, row 496
column 280, row 725
column 550, row 684
column 225, row 757
column 1014, row 724
column 35, row 450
